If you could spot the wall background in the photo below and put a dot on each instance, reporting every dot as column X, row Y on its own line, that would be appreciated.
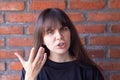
column 97, row 21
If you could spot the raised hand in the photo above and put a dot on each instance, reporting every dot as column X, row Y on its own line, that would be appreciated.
column 34, row 64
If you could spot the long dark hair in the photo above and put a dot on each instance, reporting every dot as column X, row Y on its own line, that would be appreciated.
column 51, row 16
column 47, row 19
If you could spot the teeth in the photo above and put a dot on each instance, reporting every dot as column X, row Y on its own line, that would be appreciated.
column 61, row 44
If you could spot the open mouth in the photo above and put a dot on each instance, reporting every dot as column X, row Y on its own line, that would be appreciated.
column 61, row 45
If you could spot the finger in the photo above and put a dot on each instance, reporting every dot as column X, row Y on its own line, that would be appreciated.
column 20, row 58
column 39, row 55
column 44, row 59
column 32, row 55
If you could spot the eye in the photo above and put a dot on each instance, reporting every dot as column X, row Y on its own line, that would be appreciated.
column 50, row 31
column 65, row 28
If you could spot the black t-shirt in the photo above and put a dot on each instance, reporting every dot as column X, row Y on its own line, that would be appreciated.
column 67, row 71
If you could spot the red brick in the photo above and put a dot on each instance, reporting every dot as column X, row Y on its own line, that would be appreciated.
column 90, row 28
column 75, row 17
column 0, row 77
column 2, row 43
column 28, row 53
column 23, row 17
column 83, row 40
column 30, row 29
column 115, row 77
column 2, row 66
column 15, row 66
column 11, row 77
column 109, row 66
column 115, row 28
column 1, row 18
column 12, row 6
column 96, row 53
column 11, row 30
column 20, row 42
column 105, row 40
column 114, row 53
column 104, row 16
column 81, row 4
column 115, row 4
column 40, row 5
column 9, row 54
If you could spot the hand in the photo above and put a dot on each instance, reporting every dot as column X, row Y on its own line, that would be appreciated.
column 34, row 64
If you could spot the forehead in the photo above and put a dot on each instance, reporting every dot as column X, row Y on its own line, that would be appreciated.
column 50, row 24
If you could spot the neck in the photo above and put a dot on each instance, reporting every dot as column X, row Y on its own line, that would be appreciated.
column 61, row 57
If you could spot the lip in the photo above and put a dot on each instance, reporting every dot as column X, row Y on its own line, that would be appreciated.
column 61, row 45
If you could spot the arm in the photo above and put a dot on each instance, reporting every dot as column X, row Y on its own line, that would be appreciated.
column 34, row 64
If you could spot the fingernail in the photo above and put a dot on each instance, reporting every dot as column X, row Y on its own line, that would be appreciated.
column 42, row 48
column 15, row 53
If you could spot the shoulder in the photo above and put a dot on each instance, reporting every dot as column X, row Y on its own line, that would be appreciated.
column 88, row 67
column 91, row 71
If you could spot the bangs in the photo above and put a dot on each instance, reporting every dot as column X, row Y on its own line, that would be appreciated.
column 51, row 22
column 49, row 19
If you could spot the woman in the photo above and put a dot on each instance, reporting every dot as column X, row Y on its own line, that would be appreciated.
column 58, row 53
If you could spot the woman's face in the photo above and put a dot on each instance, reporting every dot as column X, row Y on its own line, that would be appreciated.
column 57, row 39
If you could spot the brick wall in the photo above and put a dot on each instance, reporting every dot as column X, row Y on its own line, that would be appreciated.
column 97, row 21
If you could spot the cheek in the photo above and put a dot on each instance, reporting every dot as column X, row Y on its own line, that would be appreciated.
column 68, row 39
column 67, row 36
column 47, row 41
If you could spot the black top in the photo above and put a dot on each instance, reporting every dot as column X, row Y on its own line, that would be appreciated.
column 67, row 71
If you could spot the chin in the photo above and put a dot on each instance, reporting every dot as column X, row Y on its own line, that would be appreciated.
column 61, row 51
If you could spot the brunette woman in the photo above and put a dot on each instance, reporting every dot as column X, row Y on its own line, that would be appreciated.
column 58, row 53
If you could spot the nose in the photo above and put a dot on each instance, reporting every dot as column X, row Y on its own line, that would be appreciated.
column 58, row 35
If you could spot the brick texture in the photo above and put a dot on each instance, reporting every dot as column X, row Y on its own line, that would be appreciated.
column 105, row 40
column 11, row 6
column 114, row 53
column 115, row 28
column 40, row 5
column 15, row 66
column 2, row 43
column 76, row 17
column 115, row 76
column 20, row 42
column 30, row 29
column 97, row 23
column 115, row 4
column 1, row 18
column 96, row 53
column 83, row 4
column 2, row 66
column 10, row 77
column 11, row 30
column 110, row 66
column 9, row 54
column 106, row 16
column 23, row 17
column 90, row 29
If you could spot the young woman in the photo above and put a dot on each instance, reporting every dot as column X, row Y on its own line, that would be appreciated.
column 58, row 53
